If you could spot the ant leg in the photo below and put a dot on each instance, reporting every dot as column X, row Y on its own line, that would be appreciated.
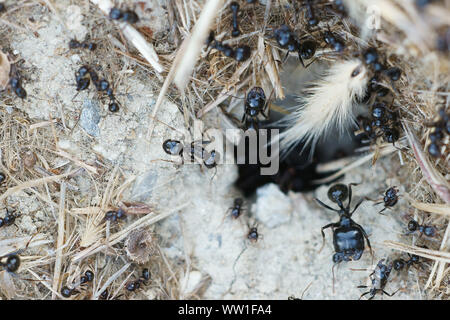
column 356, row 207
column 391, row 294
column 324, row 205
column 285, row 58
column 363, row 293
column 323, row 234
column 314, row 60
column 380, row 212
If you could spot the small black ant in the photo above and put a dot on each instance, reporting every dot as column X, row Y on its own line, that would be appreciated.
column 379, row 278
column 440, row 128
column 334, row 41
column 241, row 53
column 113, row 215
column 255, row 104
column 348, row 236
column 309, row 14
column 400, row 264
column 74, row 44
column 2, row 7
column 253, row 234
column 104, row 295
column 237, row 209
column 81, row 78
column 234, row 6
column 2, row 177
column 16, row 84
column 390, row 198
column 126, row 16
column 429, row 231
column 8, row 220
column 67, row 292
column 136, row 284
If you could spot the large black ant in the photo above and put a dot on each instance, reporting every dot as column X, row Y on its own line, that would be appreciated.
column 234, row 6
column 255, row 104
column 124, row 15
column 429, row 231
column 136, row 284
column 348, row 236
column 379, row 278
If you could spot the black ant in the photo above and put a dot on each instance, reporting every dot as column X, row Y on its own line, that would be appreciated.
column 12, row 263
column 175, row 148
column 441, row 127
column 240, row 53
column 390, row 198
column 2, row 7
column 67, row 292
column 255, row 104
column 126, row 15
column 286, row 39
column 2, row 177
column 16, row 84
column 334, row 41
column 114, row 215
column 253, row 234
column 104, row 295
column 234, row 6
column 400, row 264
column 8, row 220
column 82, row 79
column 74, row 44
column 348, row 236
column 309, row 14
column 237, row 209
column 136, row 284
column 379, row 278
column 429, row 231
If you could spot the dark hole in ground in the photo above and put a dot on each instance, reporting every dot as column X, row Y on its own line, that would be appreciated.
column 297, row 171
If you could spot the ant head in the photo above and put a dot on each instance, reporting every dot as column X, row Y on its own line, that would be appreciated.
column 412, row 225
column 12, row 263
column 338, row 193
column 238, row 202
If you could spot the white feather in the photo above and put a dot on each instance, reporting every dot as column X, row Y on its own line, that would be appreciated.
column 329, row 102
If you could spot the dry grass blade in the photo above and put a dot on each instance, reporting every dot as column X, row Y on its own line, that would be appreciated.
column 34, row 183
column 426, row 253
column 360, row 161
column 119, row 236
column 110, row 280
column 60, row 240
column 145, row 48
column 442, row 209
column 5, row 68
column 433, row 177
column 195, row 42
